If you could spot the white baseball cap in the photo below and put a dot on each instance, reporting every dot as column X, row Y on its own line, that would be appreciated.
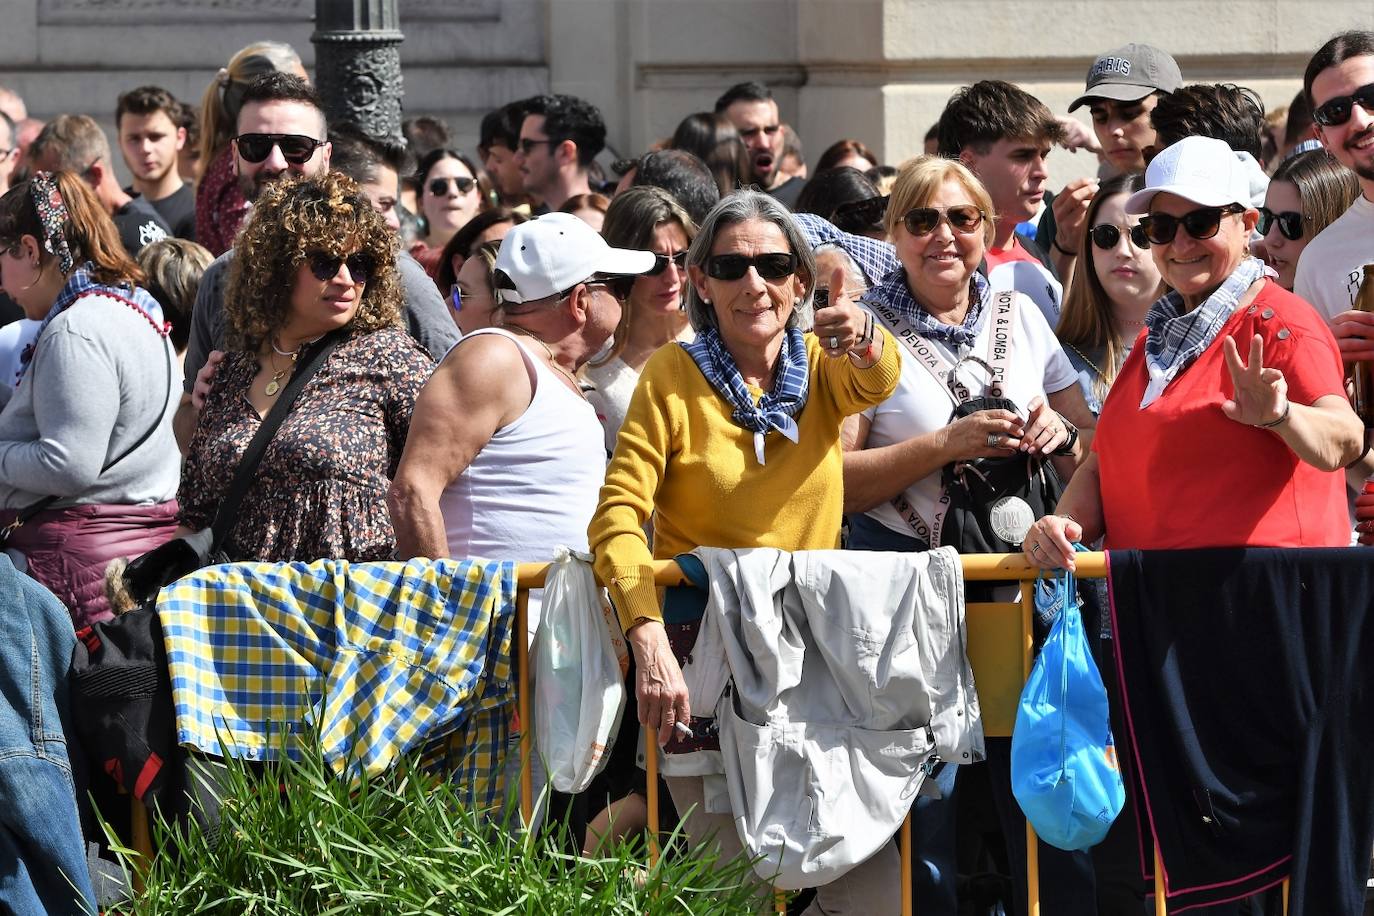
column 1200, row 169
column 554, row 253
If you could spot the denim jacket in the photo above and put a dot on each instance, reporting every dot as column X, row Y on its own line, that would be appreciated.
column 41, row 848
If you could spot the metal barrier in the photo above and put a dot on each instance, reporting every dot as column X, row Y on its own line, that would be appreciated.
column 1000, row 652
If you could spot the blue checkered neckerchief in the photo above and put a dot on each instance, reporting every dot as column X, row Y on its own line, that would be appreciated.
column 777, row 408
column 895, row 292
column 875, row 258
column 1176, row 338
column 79, row 284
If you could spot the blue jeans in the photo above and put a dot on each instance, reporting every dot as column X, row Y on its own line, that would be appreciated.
column 1066, row 878
column 43, row 867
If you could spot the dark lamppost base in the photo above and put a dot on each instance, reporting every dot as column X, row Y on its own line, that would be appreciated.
column 358, row 63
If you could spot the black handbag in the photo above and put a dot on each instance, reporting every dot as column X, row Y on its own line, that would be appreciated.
column 145, row 575
column 974, row 487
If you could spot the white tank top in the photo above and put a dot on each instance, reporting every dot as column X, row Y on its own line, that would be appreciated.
column 534, row 485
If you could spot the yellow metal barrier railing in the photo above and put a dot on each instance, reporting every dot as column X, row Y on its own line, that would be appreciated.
column 999, row 636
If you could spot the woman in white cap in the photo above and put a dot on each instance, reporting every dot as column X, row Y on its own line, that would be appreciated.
column 1233, row 368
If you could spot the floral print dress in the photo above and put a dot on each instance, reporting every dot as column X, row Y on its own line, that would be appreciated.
column 321, row 488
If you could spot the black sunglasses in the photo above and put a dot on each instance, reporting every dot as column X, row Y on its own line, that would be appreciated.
column 325, row 266
column 527, row 144
column 1289, row 222
column 1201, row 224
column 1337, row 111
column 963, row 218
column 772, row 266
column 1106, row 236
column 439, row 186
column 295, row 148
column 661, row 263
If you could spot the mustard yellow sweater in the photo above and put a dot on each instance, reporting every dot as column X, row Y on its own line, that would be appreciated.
column 681, row 458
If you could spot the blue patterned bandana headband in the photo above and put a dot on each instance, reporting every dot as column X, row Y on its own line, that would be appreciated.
column 52, row 216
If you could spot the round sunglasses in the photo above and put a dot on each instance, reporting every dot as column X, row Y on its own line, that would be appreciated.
column 1289, row 223
column 776, row 265
column 325, row 266
column 962, row 218
column 1201, row 224
column 1106, row 236
column 439, row 186
column 295, row 148
column 1337, row 111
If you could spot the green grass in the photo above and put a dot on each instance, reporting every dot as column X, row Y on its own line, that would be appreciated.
column 398, row 846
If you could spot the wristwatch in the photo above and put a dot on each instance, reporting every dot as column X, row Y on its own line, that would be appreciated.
column 1069, row 443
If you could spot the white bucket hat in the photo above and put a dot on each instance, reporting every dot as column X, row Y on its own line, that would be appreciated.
column 554, row 253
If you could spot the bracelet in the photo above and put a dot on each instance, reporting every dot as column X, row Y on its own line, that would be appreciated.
column 1280, row 419
column 1062, row 250
column 1068, row 446
column 1363, row 455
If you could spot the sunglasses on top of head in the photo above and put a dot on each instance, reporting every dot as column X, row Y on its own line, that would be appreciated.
column 439, row 186
column 776, row 265
column 963, row 218
column 679, row 261
column 1289, row 223
column 1106, row 236
column 325, row 266
column 1201, row 224
column 1337, row 111
column 295, row 148
column 859, row 215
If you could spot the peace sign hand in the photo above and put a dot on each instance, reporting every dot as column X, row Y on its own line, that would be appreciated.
column 1261, row 395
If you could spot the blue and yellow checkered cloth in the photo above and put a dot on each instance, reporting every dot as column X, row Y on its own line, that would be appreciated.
column 379, row 657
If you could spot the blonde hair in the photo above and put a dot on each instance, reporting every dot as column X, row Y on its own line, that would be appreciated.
column 921, row 179
column 219, row 106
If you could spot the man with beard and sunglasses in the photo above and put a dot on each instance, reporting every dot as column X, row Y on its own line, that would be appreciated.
column 281, row 131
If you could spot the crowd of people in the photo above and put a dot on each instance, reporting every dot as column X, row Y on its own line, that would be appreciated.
column 518, row 350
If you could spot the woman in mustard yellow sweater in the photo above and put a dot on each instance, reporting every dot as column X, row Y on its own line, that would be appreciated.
column 732, row 441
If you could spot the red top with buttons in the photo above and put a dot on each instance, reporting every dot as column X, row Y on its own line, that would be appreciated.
column 1178, row 474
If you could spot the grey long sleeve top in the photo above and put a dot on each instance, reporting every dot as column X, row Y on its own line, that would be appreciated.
column 97, row 382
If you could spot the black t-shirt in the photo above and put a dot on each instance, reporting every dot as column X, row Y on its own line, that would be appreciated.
column 139, row 224
column 178, row 210
column 788, row 192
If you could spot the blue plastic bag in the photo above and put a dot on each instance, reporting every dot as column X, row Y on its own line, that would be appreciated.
column 1064, row 770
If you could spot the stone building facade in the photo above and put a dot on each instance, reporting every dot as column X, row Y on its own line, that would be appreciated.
column 878, row 70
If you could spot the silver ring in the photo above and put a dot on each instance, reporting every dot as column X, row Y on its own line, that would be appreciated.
column 994, row 439
column 834, row 343
column 1035, row 548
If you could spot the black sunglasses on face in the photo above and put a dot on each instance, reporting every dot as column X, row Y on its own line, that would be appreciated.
column 1337, row 111
column 1201, row 224
column 439, row 186
column 1106, row 236
column 1289, row 223
column 661, row 263
column 964, row 219
column 772, row 266
column 325, row 266
column 295, row 148
column 527, row 144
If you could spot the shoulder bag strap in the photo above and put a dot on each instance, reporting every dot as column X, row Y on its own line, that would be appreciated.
column 252, row 456
column 29, row 511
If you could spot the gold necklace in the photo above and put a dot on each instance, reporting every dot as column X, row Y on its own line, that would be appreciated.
column 274, row 385
column 554, row 362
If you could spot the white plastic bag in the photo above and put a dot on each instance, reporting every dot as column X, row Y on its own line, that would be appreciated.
column 578, row 690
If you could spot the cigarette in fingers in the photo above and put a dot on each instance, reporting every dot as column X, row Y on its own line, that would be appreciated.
column 682, row 729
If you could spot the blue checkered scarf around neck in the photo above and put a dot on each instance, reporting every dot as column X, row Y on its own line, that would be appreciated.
column 80, row 283
column 1176, row 338
column 777, row 408
column 895, row 292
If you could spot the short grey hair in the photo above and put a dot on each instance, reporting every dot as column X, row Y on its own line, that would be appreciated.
column 741, row 207
column 854, row 275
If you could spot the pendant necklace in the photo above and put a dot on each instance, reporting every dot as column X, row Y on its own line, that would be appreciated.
column 274, row 384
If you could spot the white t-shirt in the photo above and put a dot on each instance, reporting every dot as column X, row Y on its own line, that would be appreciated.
column 1331, row 267
column 1033, row 280
column 922, row 405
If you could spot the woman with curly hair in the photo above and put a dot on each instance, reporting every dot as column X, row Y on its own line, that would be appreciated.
column 314, row 258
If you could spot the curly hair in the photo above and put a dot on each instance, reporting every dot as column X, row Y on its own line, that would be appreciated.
column 293, row 219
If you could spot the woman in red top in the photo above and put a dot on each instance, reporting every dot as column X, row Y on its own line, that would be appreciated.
column 1228, row 425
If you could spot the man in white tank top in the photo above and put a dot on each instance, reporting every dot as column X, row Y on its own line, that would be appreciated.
column 505, row 457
